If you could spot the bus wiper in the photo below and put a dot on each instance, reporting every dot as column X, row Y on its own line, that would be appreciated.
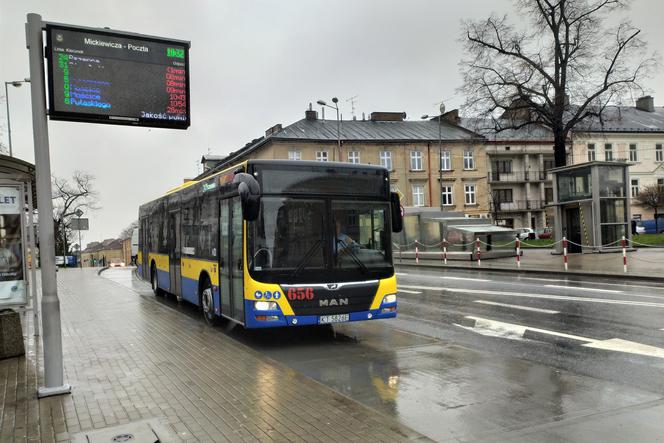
column 348, row 249
column 306, row 257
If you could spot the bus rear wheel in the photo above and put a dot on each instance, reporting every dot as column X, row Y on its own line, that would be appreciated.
column 153, row 281
column 207, row 302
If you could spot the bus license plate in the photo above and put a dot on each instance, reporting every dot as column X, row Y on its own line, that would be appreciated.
column 338, row 318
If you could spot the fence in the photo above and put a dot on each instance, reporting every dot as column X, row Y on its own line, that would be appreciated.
column 445, row 248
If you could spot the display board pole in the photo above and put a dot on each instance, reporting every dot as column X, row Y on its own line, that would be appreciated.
column 33, row 261
column 51, row 329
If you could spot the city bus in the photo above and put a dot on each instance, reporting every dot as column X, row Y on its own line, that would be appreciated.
column 270, row 243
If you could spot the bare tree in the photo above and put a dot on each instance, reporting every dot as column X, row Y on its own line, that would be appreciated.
column 652, row 196
column 128, row 231
column 565, row 67
column 69, row 197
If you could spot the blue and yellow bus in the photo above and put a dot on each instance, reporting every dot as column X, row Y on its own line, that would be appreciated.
column 276, row 243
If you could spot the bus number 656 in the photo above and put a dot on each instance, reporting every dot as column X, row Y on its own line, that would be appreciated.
column 300, row 294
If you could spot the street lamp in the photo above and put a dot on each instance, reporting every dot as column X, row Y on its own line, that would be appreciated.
column 16, row 84
column 336, row 108
column 440, row 152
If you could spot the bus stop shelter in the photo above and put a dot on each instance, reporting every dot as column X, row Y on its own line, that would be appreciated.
column 592, row 205
column 18, row 293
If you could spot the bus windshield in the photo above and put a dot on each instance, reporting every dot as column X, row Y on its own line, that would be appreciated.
column 298, row 239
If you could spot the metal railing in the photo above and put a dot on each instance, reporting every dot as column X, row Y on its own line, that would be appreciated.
column 518, row 205
column 519, row 176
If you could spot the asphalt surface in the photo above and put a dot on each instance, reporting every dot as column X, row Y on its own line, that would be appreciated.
column 488, row 356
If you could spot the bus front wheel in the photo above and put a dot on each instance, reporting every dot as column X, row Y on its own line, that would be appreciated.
column 207, row 302
column 153, row 281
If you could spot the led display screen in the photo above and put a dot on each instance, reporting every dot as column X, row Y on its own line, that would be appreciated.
column 119, row 78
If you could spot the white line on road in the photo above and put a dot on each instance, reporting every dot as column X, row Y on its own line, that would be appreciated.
column 523, row 308
column 544, row 296
column 401, row 273
column 582, row 289
column 408, row 292
column 465, row 279
column 512, row 331
column 590, row 282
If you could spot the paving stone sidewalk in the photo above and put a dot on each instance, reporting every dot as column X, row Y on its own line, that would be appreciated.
column 130, row 358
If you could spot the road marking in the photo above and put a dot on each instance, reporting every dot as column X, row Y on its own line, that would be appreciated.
column 523, row 308
column 466, row 279
column 401, row 273
column 590, row 282
column 582, row 289
column 555, row 297
column 619, row 345
column 485, row 326
column 408, row 292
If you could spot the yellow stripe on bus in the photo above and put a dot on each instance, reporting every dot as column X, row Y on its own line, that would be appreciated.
column 385, row 286
column 160, row 260
column 192, row 267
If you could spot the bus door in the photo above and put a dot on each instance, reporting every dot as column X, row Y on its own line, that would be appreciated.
column 231, row 241
column 145, row 249
column 174, row 252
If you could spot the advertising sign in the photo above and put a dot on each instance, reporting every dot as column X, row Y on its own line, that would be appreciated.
column 79, row 224
column 104, row 76
column 12, row 280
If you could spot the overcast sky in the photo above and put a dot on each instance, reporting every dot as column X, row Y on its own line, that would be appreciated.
column 254, row 64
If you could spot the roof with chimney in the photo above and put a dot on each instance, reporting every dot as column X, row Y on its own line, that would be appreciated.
column 626, row 119
column 488, row 128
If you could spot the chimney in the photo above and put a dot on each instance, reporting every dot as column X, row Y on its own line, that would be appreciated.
column 273, row 130
column 310, row 114
column 452, row 116
column 387, row 116
column 646, row 103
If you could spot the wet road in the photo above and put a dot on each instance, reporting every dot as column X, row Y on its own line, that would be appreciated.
column 476, row 356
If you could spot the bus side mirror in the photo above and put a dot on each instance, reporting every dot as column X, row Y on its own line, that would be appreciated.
column 395, row 209
column 250, row 195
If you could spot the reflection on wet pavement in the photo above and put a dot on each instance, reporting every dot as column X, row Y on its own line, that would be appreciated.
column 440, row 389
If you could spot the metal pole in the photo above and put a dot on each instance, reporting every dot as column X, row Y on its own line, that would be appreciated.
column 33, row 259
column 9, row 126
column 51, row 329
column 440, row 161
column 64, row 245
column 338, row 133
column 80, row 245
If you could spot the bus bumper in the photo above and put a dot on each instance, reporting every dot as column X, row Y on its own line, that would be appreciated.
column 275, row 318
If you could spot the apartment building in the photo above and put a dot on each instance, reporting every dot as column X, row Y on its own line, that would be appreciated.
column 432, row 163
column 517, row 162
column 634, row 134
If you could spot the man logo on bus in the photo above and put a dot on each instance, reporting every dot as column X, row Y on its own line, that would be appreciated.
column 333, row 302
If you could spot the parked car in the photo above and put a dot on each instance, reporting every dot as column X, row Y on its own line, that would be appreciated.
column 545, row 233
column 526, row 233
column 117, row 264
column 648, row 226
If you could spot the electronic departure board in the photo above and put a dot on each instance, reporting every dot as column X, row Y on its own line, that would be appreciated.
column 118, row 78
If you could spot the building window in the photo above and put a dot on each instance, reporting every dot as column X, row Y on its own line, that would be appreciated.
column 635, row 187
column 386, row 160
column 659, row 153
column 446, row 195
column 469, row 192
column 354, row 157
column 548, row 195
column 415, row 160
column 294, row 154
column 633, row 154
column 549, row 164
column 418, row 195
column 468, row 160
column 591, row 152
column 445, row 161
column 502, row 166
column 321, row 156
column 608, row 152
column 660, row 182
column 503, row 195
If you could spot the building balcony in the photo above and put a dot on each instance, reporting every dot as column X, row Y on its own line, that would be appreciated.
column 519, row 176
column 518, row 206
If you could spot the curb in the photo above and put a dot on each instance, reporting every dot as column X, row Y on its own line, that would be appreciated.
column 543, row 272
column 564, row 342
column 102, row 270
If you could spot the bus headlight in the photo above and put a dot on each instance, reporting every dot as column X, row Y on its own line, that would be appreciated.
column 390, row 298
column 265, row 306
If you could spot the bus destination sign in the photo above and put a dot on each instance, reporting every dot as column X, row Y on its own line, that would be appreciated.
column 103, row 76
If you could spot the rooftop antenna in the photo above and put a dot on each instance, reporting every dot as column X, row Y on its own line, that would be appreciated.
column 352, row 101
